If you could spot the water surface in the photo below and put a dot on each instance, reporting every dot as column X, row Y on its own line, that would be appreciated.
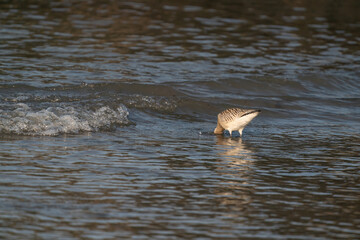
column 107, row 110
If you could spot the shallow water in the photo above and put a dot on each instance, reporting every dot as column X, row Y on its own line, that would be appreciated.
column 107, row 111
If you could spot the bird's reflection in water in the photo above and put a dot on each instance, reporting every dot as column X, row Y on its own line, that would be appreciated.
column 235, row 165
column 234, row 150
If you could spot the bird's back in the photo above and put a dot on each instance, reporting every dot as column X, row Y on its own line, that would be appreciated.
column 235, row 119
column 231, row 114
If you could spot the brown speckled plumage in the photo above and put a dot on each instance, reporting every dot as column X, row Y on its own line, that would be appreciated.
column 234, row 119
column 232, row 113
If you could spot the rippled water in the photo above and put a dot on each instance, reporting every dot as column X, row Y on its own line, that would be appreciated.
column 107, row 110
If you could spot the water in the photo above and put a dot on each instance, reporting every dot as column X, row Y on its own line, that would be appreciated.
column 107, row 110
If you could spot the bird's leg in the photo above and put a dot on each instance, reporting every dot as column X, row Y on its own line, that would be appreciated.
column 235, row 134
column 226, row 132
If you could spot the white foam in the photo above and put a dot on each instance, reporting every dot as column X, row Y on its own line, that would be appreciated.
column 151, row 102
column 23, row 120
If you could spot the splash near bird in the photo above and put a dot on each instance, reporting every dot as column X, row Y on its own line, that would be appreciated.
column 234, row 119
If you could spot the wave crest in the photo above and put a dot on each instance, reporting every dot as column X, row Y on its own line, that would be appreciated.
column 23, row 120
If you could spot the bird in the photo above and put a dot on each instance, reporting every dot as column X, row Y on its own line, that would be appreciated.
column 234, row 119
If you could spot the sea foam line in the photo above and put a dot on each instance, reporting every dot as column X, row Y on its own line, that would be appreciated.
column 23, row 120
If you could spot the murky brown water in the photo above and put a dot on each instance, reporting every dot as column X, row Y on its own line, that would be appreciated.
column 107, row 110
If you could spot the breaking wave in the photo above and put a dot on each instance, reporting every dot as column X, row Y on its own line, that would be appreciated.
column 51, row 121
column 50, row 111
